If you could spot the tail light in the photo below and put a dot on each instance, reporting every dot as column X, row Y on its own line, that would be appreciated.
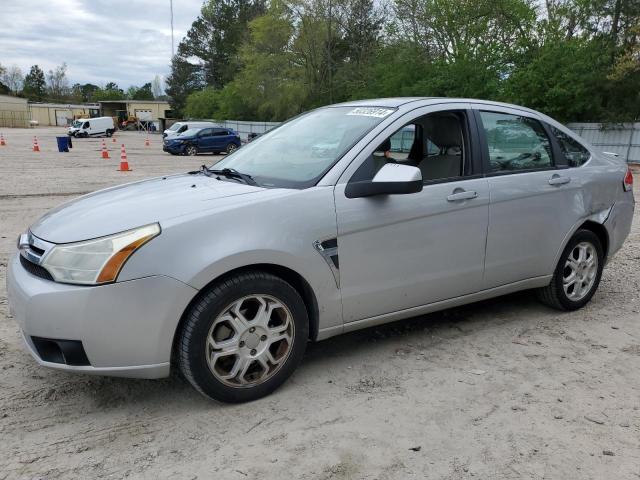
column 627, row 183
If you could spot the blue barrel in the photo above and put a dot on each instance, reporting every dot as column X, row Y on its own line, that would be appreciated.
column 63, row 144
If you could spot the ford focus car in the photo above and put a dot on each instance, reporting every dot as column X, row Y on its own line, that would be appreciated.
column 344, row 217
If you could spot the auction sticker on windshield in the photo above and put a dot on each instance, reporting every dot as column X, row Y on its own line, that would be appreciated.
column 371, row 112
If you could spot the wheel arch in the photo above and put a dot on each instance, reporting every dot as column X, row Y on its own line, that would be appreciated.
column 601, row 233
column 297, row 281
column 592, row 224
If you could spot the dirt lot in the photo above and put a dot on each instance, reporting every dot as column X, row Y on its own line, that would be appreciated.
column 503, row 389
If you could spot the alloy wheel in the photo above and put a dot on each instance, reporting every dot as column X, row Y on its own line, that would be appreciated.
column 250, row 340
column 580, row 271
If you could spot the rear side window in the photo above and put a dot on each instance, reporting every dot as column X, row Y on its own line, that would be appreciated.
column 515, row 142
column 575, row 153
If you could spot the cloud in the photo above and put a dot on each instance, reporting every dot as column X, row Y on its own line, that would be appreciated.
column 125, row 41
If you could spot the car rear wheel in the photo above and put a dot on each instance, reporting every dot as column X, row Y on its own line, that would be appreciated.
column 232, row 147
column 577, row 274
column 109, row 133
column 243, row 338
column 191, row 150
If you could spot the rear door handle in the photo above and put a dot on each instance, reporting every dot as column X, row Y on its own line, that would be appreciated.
column 461, row 195
column 558, row 180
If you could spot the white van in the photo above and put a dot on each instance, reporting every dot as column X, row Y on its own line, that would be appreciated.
column 92, row 127
column 179, row 127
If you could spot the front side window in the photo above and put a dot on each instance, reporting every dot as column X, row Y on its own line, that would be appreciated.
column 575, row 153
column 206, row 132
column 515, row 142
column 86, row 125
column 435, row 143
column 299, row 152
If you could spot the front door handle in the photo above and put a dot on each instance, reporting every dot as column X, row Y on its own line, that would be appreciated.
column 460, row 194
column 558, row 180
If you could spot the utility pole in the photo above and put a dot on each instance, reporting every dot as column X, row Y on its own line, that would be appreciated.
column 173, row 53
column 329, row 58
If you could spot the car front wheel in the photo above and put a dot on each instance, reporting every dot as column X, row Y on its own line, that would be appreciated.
column 243, row 338
column 577, row 274
column 191, row 150
column 232, row 147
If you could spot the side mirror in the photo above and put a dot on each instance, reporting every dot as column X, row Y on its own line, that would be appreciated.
column 391, row 179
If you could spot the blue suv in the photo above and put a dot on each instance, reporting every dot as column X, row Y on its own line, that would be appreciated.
column 202, row 140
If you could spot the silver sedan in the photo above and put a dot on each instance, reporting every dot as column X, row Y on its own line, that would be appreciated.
column 344, row 217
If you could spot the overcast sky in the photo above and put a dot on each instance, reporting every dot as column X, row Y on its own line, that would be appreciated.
column 125, row 41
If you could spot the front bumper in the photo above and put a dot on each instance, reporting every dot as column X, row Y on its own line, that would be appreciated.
column 126, row 328
column 179, row 148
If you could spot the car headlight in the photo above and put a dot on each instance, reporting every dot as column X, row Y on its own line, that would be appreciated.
column 96, row 261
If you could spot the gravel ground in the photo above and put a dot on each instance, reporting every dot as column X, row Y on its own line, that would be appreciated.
column 502, row 389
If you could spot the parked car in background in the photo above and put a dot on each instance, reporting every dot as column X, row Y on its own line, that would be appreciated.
column 180, row 127
column 317, row 228
column 202, row 140
column 92, row 127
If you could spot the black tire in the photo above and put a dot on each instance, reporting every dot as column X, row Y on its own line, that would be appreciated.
column 109, row 133
column 191, row 150
column 553, row 294
column 232, row 147
column 191, row 340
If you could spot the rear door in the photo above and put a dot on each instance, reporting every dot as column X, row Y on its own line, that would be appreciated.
column 219, row 139
column 531, row 208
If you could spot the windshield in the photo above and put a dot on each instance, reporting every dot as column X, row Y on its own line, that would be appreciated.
column 298, row 153
column 190, row 132
column 174, row 127
column 76, row 123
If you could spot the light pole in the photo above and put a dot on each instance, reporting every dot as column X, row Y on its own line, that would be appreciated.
column 173, row 53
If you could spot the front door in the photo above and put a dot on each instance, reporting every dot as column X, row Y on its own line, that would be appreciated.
column 402, row 251
column 206, row 140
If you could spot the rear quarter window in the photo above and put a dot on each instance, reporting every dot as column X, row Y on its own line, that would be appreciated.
column 575, row 154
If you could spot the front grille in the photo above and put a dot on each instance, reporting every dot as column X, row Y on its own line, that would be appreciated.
column 34, row 269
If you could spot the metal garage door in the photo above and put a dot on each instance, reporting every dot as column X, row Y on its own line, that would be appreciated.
column 62, row 116
column 144, row 115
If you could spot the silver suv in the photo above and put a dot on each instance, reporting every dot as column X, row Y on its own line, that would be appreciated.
column 342, row 218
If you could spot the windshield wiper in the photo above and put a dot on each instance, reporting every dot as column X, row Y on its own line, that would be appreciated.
column 231, row 173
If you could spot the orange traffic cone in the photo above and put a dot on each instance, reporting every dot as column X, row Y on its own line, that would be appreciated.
column 146, row 142
column 113, row 139
column 124, row 164
column 2, row 142
column 105, row 152
column 36, row 148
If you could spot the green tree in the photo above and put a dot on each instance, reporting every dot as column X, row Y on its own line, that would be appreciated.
column 216, row 35
column 111, row 91
column 35, row 86
column 140, row 93
column 563, row 79
column 185, row 77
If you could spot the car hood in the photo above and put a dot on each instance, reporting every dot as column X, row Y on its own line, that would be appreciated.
column 135, row 204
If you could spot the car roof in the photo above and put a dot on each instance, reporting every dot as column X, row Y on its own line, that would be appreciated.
column 397, row 102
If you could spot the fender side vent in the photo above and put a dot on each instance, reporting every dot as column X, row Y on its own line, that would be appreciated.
column 329, row 250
